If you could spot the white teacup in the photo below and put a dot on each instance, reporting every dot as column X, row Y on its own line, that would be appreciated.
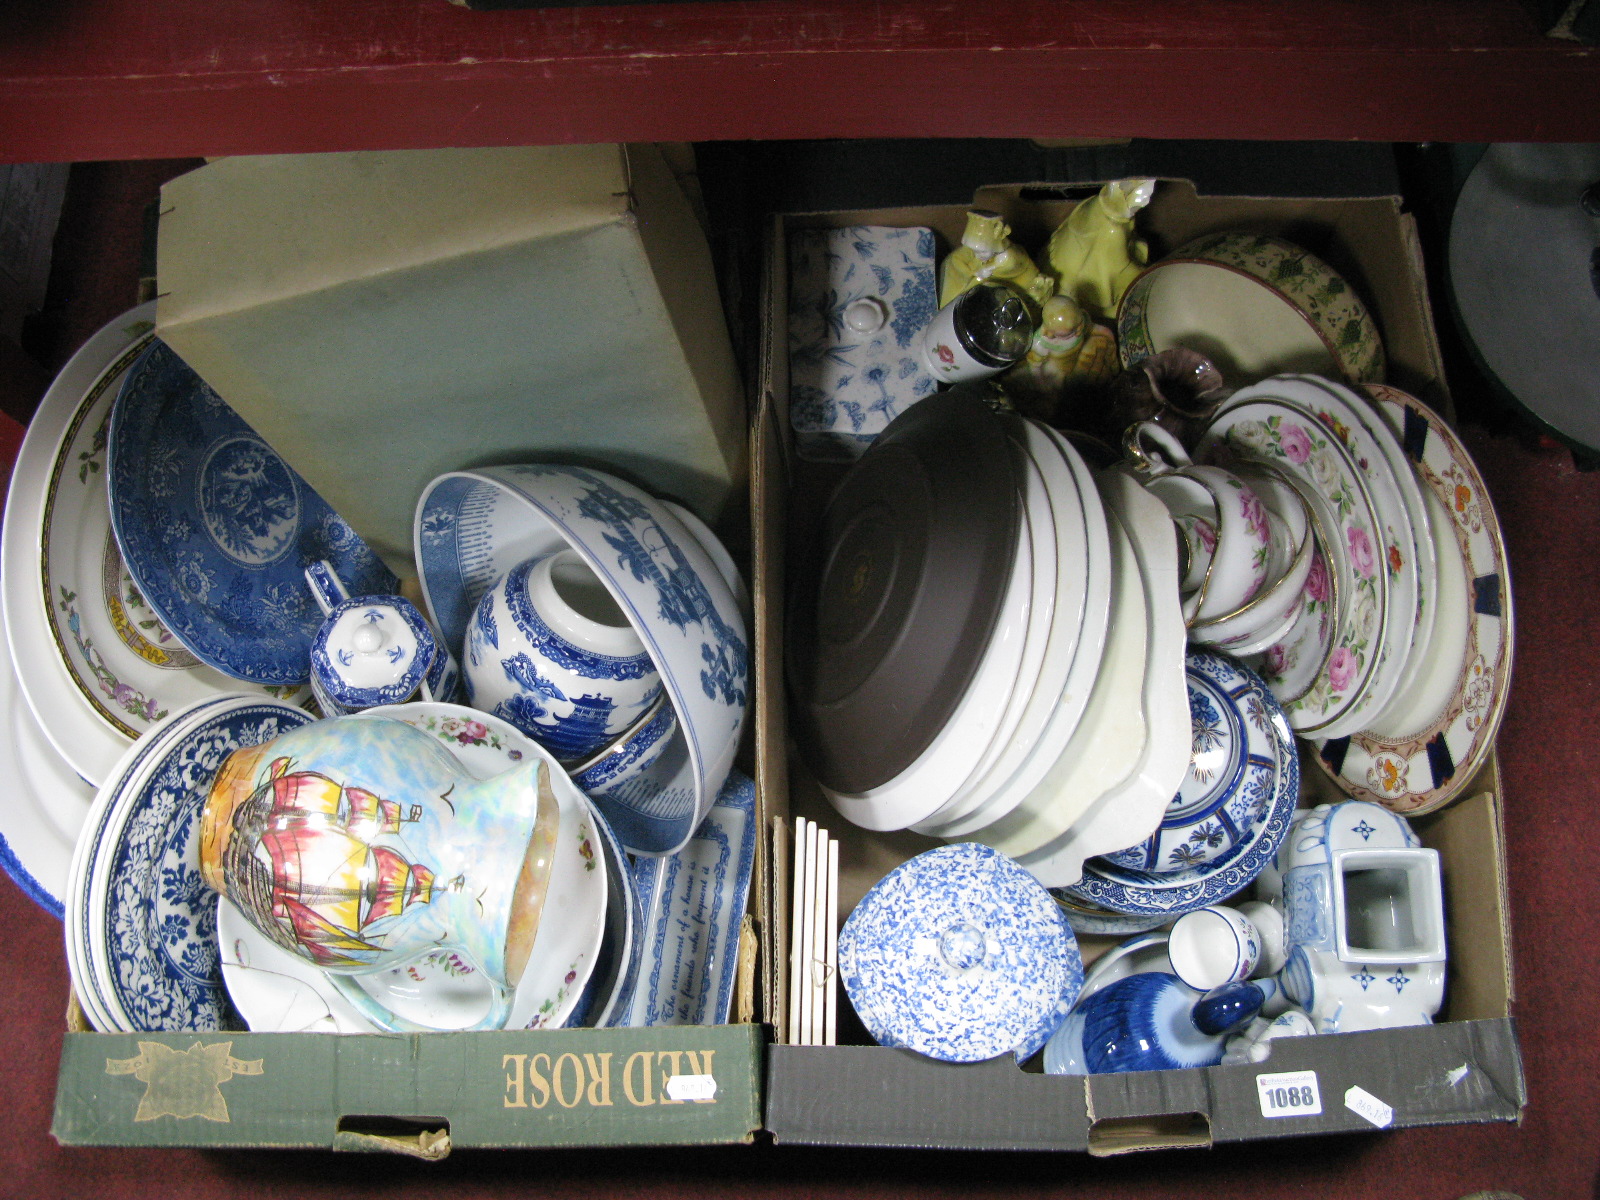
column 551, row 651
column 1212, row 947
column 1245, row 528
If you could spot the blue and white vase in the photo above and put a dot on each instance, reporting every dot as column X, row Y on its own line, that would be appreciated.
column 550, row 650
column 1151, row 1021
column 374, row 650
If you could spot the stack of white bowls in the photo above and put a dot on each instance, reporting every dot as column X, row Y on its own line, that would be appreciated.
column 1071, row 734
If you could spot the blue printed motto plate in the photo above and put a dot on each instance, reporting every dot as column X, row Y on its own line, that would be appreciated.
column 217, row 530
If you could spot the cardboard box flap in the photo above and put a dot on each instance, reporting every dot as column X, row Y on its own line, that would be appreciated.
column 289, row 226
column 386, row 319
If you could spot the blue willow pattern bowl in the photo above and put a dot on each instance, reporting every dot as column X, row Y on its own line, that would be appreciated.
column 961, row 955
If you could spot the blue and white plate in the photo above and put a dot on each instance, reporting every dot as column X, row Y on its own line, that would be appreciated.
column 472, row 527
column 1233, row 768
column 961, row 955
column 150, row 922
column 217, row 530
column 1169, row 894
column 694, row 903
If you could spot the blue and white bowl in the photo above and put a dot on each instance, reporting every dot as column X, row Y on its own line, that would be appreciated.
column 550, row 651
column 217, row 530
column 1168, row 894
column 472, row 527
column 1233, row 767
column 961, row 955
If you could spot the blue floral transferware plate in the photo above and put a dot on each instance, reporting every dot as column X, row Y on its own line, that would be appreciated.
column 1232, row 773
column 1171, row 893
column 694, row 903
column 152, row 921
column 472, row 527
column 961, row 955
column 859, row 299
column 217, row 530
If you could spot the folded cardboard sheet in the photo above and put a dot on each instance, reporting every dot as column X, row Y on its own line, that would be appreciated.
column 382, row 318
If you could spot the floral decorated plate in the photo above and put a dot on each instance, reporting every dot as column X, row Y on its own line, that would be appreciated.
column 958, row 954
column 1436, row 734
column 1168, row 894
column 123, row 659
column 482, row 743
column 65, row 711
column 608, row 998
column 1290, row 438
column 217, row 530
column 151, row 921
column 1255, row 305
column 1408, row 556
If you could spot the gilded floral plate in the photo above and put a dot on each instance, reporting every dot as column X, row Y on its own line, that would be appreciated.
column 1292, row 439
column 78, row 729
column 1438, row 733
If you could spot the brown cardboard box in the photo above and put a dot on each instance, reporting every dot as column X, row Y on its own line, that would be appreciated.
column 1464, row 1068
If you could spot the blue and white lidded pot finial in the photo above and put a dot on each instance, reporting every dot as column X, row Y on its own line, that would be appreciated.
column 552, row 651
column 374, row 650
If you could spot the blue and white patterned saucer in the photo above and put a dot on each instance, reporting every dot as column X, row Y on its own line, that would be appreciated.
column 217, row 530
column 1233, row 765
column 1169, row 894
column 961, row 955
column 151, row 920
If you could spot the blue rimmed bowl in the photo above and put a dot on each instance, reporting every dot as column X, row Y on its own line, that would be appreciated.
column 472, row 527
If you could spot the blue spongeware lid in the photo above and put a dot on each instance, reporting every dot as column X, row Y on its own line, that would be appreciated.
column 959, row 954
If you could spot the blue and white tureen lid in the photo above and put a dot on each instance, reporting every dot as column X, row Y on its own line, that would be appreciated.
column 961, row 955
column 372, row 650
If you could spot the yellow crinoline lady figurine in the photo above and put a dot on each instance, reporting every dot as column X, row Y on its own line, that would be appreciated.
column 988, row 255
column 1094, row 255
column 1070, row 354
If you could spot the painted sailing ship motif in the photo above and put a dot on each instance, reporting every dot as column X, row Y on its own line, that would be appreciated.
column 309, row 866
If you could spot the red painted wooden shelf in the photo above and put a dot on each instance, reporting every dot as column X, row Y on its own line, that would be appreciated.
column 86, row 79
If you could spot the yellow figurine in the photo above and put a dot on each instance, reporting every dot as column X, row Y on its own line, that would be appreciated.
column 1070, row 353
column 987, row 254
column 1094, row 255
